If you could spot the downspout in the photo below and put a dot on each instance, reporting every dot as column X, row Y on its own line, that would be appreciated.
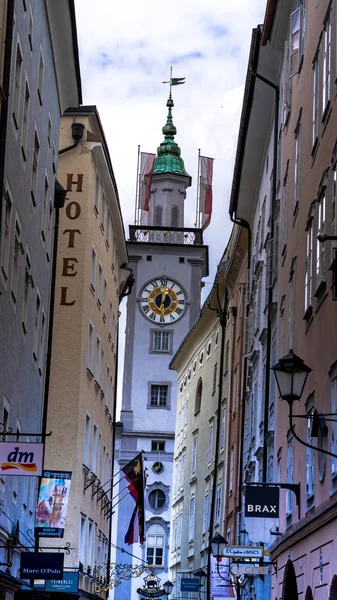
column 5, row 102
column 59, row 199
column 270, row 292
column 221, row 313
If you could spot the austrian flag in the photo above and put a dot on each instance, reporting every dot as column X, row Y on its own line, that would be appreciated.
column 206, row 195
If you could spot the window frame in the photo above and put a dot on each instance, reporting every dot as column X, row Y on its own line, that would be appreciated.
column 153, row 334
column 151, row 385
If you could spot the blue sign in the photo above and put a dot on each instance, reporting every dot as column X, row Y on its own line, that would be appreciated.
column 69, row 583
column 38, row 565
column 190, row 584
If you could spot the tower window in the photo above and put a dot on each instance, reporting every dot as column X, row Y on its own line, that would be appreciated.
column 161, row 341
column 159, row 395
column 158, row 216
column 157, row 498
column 181, row 259
column 149, row 258
column 174, row 216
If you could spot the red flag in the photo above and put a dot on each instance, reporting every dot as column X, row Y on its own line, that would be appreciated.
column 134, row 473
column 206, row 195
column 145, row 180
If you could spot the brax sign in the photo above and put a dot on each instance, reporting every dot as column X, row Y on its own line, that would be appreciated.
column 38, row 565
column 262, row 501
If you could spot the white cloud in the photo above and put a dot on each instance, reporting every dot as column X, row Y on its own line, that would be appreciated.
column 126, row 49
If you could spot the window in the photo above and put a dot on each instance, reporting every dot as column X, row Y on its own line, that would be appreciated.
column 174, row 216
column 94, row 449
column 35, row 166
column 98, row 360
column 90, row 348
column 282, row 326
column 5, row 233
column 194, row 456
column 159, row 395
column 155, row 538
column 320, row 252
column 158, row 216
column 297, row 166
column 235, row 392
column 218, row 498
column 289, row 473
column 87, row 441
column 333, row 425
column 31, row 30
column 36, row 326
column 231, row 470
column 310, row 454
column 42, row 340
column 103, row 207
column 97, row 191
column 99, row 290
column 210, row 445
column 25, row 119
column 40, row 81
column 292, row 278
column 191, row 519
column 90, row 543
column 315, row 98
column 285, row 209
column 198, row 397
column 308, row 266
column 161, row 341
column 205, row 519
column 93, row 269
column 157, row 499
column 17, row 86
column 82, row 538
column 111, row 315
column 105, row 288
column 45, row 209
column 107, row 391
column 157, row 446
column 16, row 257
column 326, row 67
column 297, row 38
column 215, row 378
column 26, row 286
column 222, row 428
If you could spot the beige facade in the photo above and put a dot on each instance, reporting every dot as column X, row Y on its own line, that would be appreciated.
column 89, row 281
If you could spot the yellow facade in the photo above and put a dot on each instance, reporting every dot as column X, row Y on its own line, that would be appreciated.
column 89, row 281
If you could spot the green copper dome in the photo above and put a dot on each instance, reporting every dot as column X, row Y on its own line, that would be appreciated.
column 168, row 159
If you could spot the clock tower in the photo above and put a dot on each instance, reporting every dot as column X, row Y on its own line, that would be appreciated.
column 169, row 262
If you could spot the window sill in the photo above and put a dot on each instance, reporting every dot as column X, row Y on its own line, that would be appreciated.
column 90, row 374
column 96, row 211
column 308, row 313
column 92, row 289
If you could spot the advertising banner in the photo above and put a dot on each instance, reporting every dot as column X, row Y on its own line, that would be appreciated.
column 51, row 509
column 262, row 501
column 68, row 584
column 219, row 587
column 41, row 565
column 21, row 458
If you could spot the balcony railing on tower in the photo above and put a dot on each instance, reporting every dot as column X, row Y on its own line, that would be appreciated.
column 165, row 235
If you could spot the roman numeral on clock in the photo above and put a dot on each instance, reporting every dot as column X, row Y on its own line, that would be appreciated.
column 152, row 316
column 179, row 310
column 146, row 309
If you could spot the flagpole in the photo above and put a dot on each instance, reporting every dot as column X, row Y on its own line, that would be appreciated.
column 170, row 81
column 137, row 189
column 197, row 219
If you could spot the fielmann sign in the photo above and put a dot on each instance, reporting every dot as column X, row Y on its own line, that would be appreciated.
column 21, row 458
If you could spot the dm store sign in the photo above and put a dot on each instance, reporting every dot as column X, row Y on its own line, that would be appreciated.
column 18, row 458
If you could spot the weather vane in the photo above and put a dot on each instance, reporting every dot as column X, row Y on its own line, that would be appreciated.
column 174, row 80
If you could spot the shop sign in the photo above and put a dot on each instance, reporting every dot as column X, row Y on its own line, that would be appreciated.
column 262, row 502
column 243, row 551
column 68, row 584
column 51, row 509
column 190, row 584
column 21, row 458
column 41, row 565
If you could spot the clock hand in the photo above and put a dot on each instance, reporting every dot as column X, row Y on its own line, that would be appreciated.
column 163, row 298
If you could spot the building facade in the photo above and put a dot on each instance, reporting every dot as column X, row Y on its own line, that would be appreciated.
column 90, row 280
column 169, row 262
column 37, row 85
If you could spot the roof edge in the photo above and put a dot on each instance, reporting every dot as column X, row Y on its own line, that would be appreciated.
column 268, row 21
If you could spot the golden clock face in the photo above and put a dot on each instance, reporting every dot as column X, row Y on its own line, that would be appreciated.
column 162, row 301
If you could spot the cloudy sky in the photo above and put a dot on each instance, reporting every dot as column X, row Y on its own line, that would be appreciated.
column 126, row 49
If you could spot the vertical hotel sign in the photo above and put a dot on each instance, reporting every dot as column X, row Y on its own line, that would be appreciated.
column 51, row 509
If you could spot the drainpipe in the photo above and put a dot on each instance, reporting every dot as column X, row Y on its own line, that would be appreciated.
column 5, row 89
column 221, row 313
column 59, row 199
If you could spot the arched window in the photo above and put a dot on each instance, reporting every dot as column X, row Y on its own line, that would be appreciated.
column 198, row 396
column 158, row 216
column 174, row 216
column 155, row 545
column 308, row 594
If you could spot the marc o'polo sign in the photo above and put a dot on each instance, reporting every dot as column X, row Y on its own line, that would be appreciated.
column 21, row 458
column 38, row 565
column 262, row 502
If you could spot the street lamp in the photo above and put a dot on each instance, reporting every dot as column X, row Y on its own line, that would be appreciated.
column 168, row 587
column 291, row 374
column 218, row 543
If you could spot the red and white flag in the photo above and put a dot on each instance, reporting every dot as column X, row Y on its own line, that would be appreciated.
column 206, row 194
column 145, row 180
